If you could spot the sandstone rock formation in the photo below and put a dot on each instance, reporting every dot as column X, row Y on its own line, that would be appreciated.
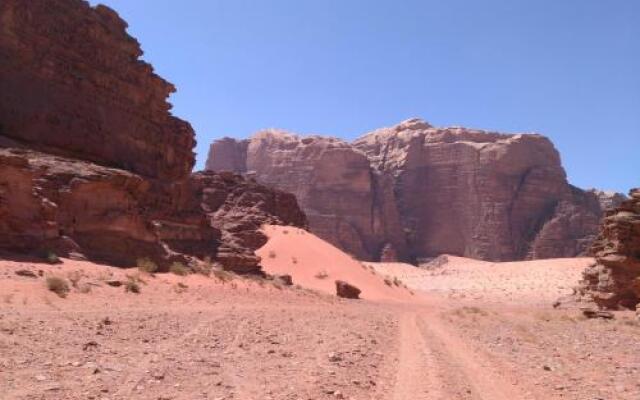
column 71, row 83
column 614, row 281
column 238, row 208
column 92, row 163
column 423, row 191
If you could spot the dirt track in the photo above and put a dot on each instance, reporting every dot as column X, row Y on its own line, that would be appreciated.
column 250, row 340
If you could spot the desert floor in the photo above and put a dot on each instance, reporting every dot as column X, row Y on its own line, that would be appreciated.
column 471, row 330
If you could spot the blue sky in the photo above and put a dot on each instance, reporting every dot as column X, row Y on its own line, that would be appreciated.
column 568, row 69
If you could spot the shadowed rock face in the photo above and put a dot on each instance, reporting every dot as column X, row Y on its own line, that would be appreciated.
column 71, row 83
column 424, row 191
column 93, row 164
column 614, row 281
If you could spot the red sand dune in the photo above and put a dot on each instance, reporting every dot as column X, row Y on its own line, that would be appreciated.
column 316, row 264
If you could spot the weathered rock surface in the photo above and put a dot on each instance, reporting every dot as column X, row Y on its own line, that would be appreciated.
column 614, row 281
column 93, row 163
column 238, row 207
column 420, row 191
column 72, row 83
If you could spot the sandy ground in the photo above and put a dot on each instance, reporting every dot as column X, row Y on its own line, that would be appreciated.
column 463, row 335
column 316, row 264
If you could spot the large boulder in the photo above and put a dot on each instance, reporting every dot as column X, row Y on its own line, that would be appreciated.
column 614, row 281
column 347, row 290
column 422, row 191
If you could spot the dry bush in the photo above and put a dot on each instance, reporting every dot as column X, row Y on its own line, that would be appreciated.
column 322, row 275
column 272, row 254
column 58, row 286
column 131, row 286
column 179, row 269
column 388, row 281
column 74, row 277
column 84, row 288
column 52, row 258
column 203, row 268
column 146, row 265
column 222, row 275
column 180, row 287
column 294, row 260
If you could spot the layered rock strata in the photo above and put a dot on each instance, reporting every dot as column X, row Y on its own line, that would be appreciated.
column 72, row 83
column 93, row 164
column 424, row 191
column 614, row 281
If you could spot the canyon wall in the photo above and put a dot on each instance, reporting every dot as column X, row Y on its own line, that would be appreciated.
column 93, row 164
column 72, row 83
column 417, row 191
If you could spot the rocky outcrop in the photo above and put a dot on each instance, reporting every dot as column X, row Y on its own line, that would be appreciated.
column 72, row 83
column 92, row 163
column 50, row 203
column 423, row 191
column 238, row 208
column 614, row 281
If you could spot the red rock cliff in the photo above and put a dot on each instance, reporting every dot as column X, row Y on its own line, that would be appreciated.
column 71, row 83
column 425, row 191
column 93, row 164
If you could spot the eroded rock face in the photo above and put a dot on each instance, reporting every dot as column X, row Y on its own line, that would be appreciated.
column 424, row 191
column 71, row 83
column 50, row 203
column 238, row 207
column 92, row 163
column 614, row 281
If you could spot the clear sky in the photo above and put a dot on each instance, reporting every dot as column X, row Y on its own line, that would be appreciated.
column 569, row 69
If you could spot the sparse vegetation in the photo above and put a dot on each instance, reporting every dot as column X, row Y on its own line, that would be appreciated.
column 52, row 258
column 58, row 286
column 322, row 275
column 146, row 265
column 222, row 275
column 179, row 269
column 131, row 286
column 74, row 277
column 272, row 254
column 294, row 260
column 180, row 287
column 388, row 281
column 203, row 268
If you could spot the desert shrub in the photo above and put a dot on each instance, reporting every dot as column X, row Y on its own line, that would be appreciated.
column 388, row 281
column 222, row 275
column 397, row 281
column 180, row 287
column 58, row 286
column 203, row 268
column 179, row 268
column 84, row 288
column 294, row 260
column 322, row 275
column 74, row 277
column 272, row 254
column 131, row 286
column 146, row 265
column 52, row 258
